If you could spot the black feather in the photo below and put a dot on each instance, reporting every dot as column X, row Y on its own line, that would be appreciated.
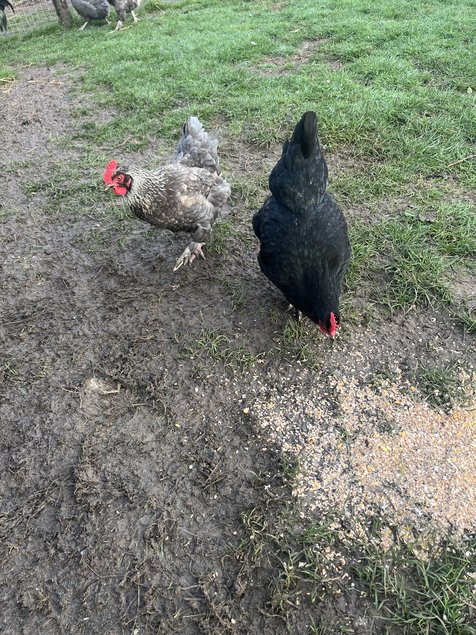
column 305, row 134
column 304, row 247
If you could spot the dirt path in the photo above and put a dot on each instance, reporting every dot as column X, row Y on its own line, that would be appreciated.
column 144, row 411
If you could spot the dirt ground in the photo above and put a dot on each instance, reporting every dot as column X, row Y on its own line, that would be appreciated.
column 136, row 437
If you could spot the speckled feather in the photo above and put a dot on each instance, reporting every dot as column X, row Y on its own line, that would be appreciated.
column 185, row 195
column 91, row 9
column 124, row 6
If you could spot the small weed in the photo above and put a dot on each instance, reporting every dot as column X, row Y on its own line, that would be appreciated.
column 10, row 372
column 222, row 235
column 442, row 387
column 218, row 347
column 5, row 213
column 296, row 341
column 237, row 292
column 289, row 467
column 467, row 319
column 294, row 329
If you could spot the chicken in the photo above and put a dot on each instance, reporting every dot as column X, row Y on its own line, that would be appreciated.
column 3, row 18
column 122, row 7
column 304, row 246
column 91, row 10
column 186, row 195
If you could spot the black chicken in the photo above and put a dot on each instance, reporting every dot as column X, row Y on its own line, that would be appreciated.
column 185, row 195
column 3, row 18
column 304, row 248
column 91, row 10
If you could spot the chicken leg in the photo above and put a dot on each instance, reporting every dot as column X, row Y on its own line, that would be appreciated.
column 190, row 253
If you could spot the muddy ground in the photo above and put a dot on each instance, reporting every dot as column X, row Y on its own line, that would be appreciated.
column 133, row 454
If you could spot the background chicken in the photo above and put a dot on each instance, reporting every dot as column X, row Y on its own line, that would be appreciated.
column 3, row 18
column 304, row 247
column 91, row 10
column 185, row 195
column 123, row 7
column 99, row 10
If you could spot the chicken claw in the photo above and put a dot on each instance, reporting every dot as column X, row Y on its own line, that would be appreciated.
column 189, row 254
column 297, row 313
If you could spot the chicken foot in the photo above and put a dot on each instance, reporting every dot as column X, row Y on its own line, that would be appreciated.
column 81, row 28
column 119, row 27
column 297, row 313
column 190, row 253
column 120, row 24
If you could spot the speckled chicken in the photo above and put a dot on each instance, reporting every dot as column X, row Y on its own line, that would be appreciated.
column 186, row 195
column 91, row 10
column 123, row 7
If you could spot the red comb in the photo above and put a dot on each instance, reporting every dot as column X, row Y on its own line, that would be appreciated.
column 110, row 169
column 333, row 327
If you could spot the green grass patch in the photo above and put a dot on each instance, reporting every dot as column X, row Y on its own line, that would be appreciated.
column 419, row 251
column 423, row 596
column 219, row 348
column 301, row 561
column 468, row 319
column 400, row 95
column 443, row 386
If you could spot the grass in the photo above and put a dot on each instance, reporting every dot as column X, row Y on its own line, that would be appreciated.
column 468, row 319
column 295, row 341
column 302, row 561
column 420, row 251
column 385, row 99
column 423, row 596
column 442, row 386
column 219, row 348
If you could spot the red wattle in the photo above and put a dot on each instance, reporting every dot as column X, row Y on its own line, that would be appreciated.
column 119, row 190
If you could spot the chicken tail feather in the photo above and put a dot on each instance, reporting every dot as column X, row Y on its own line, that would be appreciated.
column 197, row 148
column 301, row 163
column 305, row 134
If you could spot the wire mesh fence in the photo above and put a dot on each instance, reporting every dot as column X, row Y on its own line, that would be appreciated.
column 29, row 15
